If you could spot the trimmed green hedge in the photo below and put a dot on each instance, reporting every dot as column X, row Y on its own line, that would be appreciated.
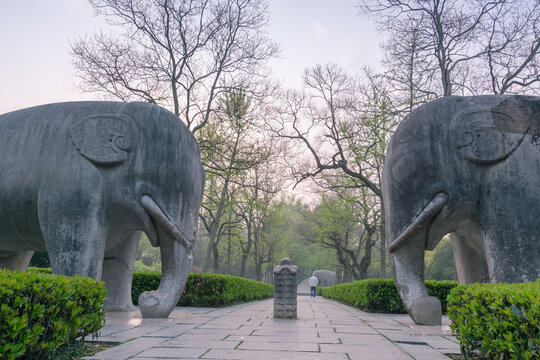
column 39, row 313
column 381, row 295
column 499, row 321
column 40, row 270
column 207, row 290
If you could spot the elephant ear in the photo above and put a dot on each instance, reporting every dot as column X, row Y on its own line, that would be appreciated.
column 482, row 134
column 104, row 139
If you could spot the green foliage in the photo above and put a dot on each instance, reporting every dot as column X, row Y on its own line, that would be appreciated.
column 440, row 262
column 299, row 237
column 40, row 259
column 139, row 266
column 204, row 289
column 40, row 270
column 441, row 290
column 381, row 295
column 148, row 258
column 500, row 321
column 372, row 295
column 40, row 313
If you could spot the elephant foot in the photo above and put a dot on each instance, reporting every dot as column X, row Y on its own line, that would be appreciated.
column 426, row 310
column 153, row 305
column 119, row 307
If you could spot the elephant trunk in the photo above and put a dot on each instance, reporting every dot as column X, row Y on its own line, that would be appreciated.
column 407, row 256
column 176, row 259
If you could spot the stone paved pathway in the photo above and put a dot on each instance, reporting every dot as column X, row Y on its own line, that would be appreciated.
column 324, row 330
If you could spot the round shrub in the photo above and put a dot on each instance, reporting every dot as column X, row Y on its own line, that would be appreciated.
column 40, row 312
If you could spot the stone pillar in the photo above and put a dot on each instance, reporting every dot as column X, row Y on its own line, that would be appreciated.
column 285, row 290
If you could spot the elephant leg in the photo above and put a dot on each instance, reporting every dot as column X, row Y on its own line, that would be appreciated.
column 118, row 273
column 469, row 257
column 15, row 260
column 408, row 263
column 510, row 221
column 74, row 231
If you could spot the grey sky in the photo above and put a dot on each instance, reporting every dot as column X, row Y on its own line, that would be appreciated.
column 35, row 35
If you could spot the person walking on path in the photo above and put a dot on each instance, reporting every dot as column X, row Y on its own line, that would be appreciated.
column 313, row 282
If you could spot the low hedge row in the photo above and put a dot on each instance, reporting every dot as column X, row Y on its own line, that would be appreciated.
column 207, row 290
column 40, row 313
column 498, row 321
column 381, row 295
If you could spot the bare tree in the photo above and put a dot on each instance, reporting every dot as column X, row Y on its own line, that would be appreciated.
column 228, row 151
column 267, row 233
column 411, row 70
column 326, row 120
column 177, row 53
column 261, row 185
column 469, row 46
column 338, row 125
column 513, row 47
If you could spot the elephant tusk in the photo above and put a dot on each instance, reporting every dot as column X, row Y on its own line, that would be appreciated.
column 162, row 219
column 431, row 209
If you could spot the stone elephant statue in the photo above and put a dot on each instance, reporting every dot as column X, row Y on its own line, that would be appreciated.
column 326, row 277
column 469, row 167
column 82, row 180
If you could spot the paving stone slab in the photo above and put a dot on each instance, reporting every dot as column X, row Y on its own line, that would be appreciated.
column 220, row 332
column 138, row 331
column 440, row 342
column 127, row 349
column 422, row 352
column 201, row 343
column 295, row 339
column 171, row 331
column 363, row 339
column 349, row 329
column 270, row 355
column 279, row 346
column 400, row 335
column 112, row 329
column 367, row 352
column 159, row 352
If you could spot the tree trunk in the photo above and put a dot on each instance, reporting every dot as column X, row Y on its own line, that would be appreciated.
column 382, row 250
column 206, row 266
column 382, row 264
column 243, row 265
column 215, row 252
column 366, row 259
column 346, row 275
column 229, row 255
column 258, row 272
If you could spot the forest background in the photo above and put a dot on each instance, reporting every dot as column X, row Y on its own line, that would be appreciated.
column 207, row 61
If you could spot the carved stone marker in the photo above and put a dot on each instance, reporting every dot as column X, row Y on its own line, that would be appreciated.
column 285, row 290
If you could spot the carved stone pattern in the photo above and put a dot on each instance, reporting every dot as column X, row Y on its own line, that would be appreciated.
column 285, row 293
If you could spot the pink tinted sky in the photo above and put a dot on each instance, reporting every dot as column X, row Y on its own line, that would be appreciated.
column 35, row 36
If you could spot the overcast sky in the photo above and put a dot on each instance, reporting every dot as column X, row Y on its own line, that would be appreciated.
column 35, row 37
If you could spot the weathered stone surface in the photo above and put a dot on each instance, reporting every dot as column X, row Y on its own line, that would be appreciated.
column 468, row 166
column 83, row 179
column 285, row 281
